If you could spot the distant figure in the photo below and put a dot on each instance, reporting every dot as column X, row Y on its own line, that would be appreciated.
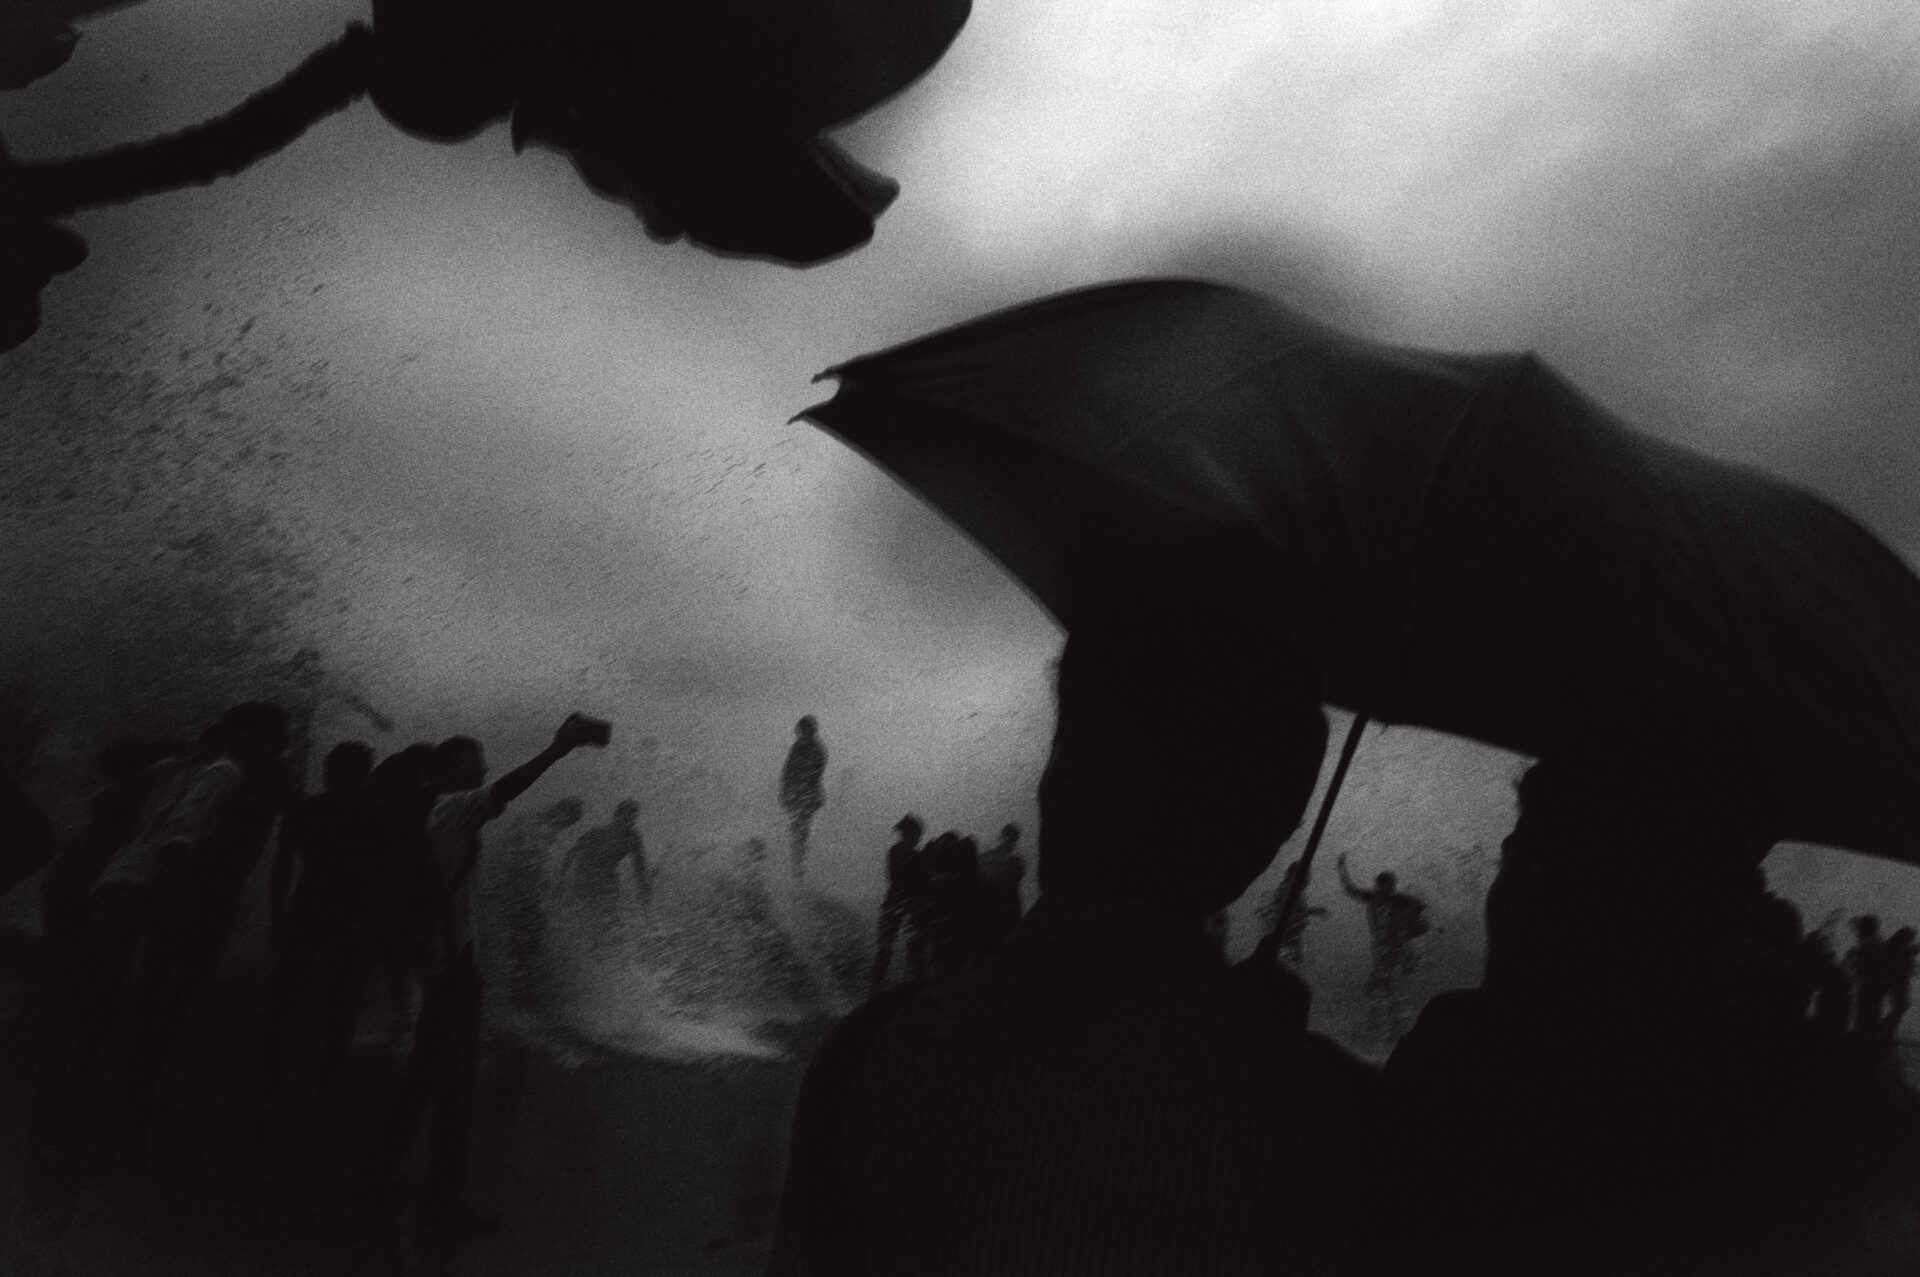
column 165, row 902
column 522, row 894
column 441, row 1068
column 332, row 841
column 1104, row 1094
column 1866, row 964
column 1002, row 869
column 1898, row 960
column 590, row 874
column 950, row 903
column 802, row 787
column 900, row 909
column 1395, row 920
column 1289, row 945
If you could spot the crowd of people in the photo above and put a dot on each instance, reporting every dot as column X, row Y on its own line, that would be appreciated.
column 374, row 876
column 947, row 904
column 1866, row 993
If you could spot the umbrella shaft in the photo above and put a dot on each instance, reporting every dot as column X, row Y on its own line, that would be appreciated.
column 1299, row 885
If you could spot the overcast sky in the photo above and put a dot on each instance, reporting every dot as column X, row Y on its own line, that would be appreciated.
column 533, row 460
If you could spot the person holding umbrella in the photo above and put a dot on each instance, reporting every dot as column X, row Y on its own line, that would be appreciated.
column 1104, row 1093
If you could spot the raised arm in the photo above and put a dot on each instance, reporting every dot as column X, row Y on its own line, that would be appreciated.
column 1348, row 885
column 578, row 730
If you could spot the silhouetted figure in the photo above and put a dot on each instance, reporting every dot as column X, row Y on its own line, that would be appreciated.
column 951, row 903
column 899, row 910
column 164, row 904
column 402, row 791
column 441, row 1068
column 591, row 872
column 333, row 841
column 1634, row 1088
column 1867, row 967
column 524, row 896
column 1290, row 944
column 1830, row 996
column 1898, row 959
column 1395, row 920
column 803, row 787
column 84, row 980
column 1002, row 870
column 1104, row 1094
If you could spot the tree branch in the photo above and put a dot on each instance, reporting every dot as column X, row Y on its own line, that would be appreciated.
column 326, row 82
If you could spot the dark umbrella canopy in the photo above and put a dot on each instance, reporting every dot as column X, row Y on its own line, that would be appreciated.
column 1479, row 548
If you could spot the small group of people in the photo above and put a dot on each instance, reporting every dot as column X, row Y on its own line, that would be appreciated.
column 375, row 874
column 1866, row 993
column 948, row 904
column 585, row 880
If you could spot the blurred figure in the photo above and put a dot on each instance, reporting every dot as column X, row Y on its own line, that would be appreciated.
column 441, row 1068
column 403, row 795
column 1395, row 920
column 590, row 874
column 1105, row 1094
column 1897, row 958
column 1289, row 943
column 1830, row 996
column 951, row 904
column 83, row 983
column 332, row 841
column 901, row 907
column 1866, row 965
column 522, row 897
column 1002, row 870
column 164, row 904
column 802, row 787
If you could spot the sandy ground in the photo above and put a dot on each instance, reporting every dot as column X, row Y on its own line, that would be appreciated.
column 597, row 1164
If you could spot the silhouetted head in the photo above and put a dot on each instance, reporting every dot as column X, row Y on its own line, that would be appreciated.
column 411, row 768
column 626, row 813
column 806, row 728
column 1185, row 747
column 909, row 827
column 1385, row 881
column 459, row 763
column 1009, row 833
column 1904, row 938
column 253, row 734
column 1866, row 926
column 566, row 812
column 348, row 765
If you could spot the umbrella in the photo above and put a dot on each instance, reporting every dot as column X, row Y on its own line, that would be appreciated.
column 1471, row 538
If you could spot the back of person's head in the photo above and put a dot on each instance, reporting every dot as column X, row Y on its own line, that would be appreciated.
column 1385, row 880
column 347, row 764
column 409, row 768
column 909, row 827
column 807, row 726
column 1186, row 745
column 252, row 732
column 455, row 759
column 567, row 812
column 1867, row 924
column 1010, row 832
